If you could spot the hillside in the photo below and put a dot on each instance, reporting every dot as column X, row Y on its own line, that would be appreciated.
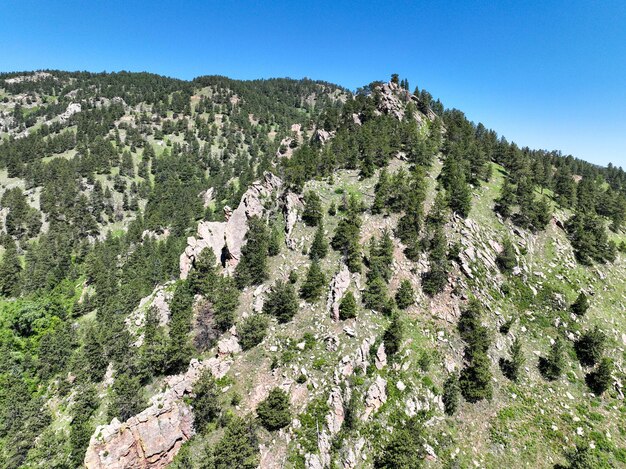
column 284, row 273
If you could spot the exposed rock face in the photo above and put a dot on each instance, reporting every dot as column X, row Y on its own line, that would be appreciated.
column 335, row 417
column 381, row 357
column 322, row 136
column 228, row 346
column 159, row 300
column 207, row 197
column 338, row 287
column 152, row 438
column 157, row 235
column 227, row 238
column 376, row 397
column 72, row 108
column 292, row 203
column 390, row 101
column 37, row 76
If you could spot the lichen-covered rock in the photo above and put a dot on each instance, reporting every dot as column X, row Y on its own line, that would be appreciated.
column 336, row 416
column 158, row 300
column 381, row 357
column 338, row 287
column 227, row 238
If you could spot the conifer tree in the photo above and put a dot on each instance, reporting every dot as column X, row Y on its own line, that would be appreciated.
column 581, row 305
column 405, row 296
column 10, row 269
column 238, row 448
column 314, row 283
column 600, row 379
column 392, row 338
column 551, row 367
column 274, row 412
column 590, row 347
column 206, row 407
column 451, row 394
column 506, row 259
column 511, row 367
column 312, row 209
column 252, row 330
column 506, row 201
column 281, row 302
column 347, row 306
column 382, row 192
column 319, row 248
column 252, row 267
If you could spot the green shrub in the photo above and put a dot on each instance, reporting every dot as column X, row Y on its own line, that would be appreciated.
column 252, row 331
column 274, row 412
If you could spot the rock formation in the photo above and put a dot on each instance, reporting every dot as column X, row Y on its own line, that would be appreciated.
column 152, row 438
column 227, row 238
column 291, row 204
column 376, row 397
column 338, row 287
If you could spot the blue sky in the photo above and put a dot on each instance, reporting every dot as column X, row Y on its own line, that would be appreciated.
column 547, row 74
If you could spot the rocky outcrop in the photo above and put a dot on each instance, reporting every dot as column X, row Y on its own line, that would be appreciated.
column 72, row 108
column 322, row 136
column 158, row 300
column 381, row 357
column 227, row 238
column 152, row 438
column 336, row 416
column 292, row 203
column 338, row 287
column 375, row 398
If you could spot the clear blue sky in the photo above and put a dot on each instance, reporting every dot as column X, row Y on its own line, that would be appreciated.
column 547, row 74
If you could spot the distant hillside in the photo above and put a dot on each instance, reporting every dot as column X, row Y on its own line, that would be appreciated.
column 284, row 273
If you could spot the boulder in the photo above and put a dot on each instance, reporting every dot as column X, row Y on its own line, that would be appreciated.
column 227, row 238
column 335, row 417
column 381, row 357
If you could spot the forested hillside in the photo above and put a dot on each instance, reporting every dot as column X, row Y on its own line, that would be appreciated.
column 284, row 273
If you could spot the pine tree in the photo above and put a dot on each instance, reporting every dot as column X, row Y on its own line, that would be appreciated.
column 600, row 379
column 314, row 283
column 252, row 268
column 10, row 270
column 405, row 296
column 392, row 338
column 506, row 259
column 252, row 331
column 475, row 379
column 312, row 209
column 274, row 412
column 511, row 367
column 455, row 183
column 590, row 347
column 206, row 407
column 382, row 192
column 238, row 448
column 506, row 201
column 581, row 305
column 451, row 394
column 275, row 242
column 126, row 397
column 347, row 306
column 376, row 295
column 319, row 248
column 551, row 367
column 281, row 302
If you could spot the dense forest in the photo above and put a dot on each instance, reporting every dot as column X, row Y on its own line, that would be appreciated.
column 105, row 178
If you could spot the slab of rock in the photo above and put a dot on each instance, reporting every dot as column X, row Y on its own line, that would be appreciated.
column 338, row 287
column 227, row 238
column 381, row 357
column 335, row 418
column 72, row 108
column 376, row 397
column 292, row 203
column 159, row 300
column 152, row 438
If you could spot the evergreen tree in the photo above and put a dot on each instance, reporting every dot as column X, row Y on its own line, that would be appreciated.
column 382, row 193
column 376, row 295
column 551, row 367
column 458, row 190
column 347, row 306
column 275, row 242
column 590, row 347
column 281, row 302
column 600, row 379
column 314, row 284
column 252, row 331
column 252, row 267
column 511, row 367
column 405, row 449
column 126, row 397
column 451, row 394
column 10, row 269
column 274, row 412
column 346, row 238
column 581, row 305
column 319, row 248
column 392, row 338
column 405, row 296
column 506, row 201
column 238, row 448
column 475, row 379
column 206, row 407
column 506, row 259
column 312, row 213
